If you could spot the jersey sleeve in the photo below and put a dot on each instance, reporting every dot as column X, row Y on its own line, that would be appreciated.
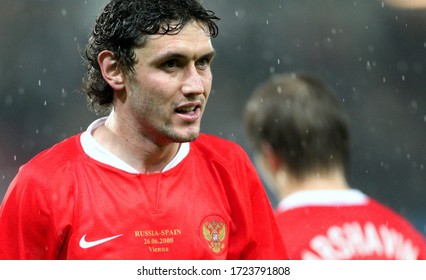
column 27, row 229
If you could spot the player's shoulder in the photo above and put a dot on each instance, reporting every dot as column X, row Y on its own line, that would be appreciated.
column 218, row 150
column 381, row 208
column 218, row 146
column 209, row 139
column 386, row 212
column 58, row 155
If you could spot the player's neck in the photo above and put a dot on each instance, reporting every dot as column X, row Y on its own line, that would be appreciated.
column 331, row 181
column 139, row 152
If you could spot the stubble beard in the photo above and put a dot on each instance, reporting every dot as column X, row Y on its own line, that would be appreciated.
column 170, row 132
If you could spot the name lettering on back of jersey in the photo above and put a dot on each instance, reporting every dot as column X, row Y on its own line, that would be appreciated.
column 353, row 240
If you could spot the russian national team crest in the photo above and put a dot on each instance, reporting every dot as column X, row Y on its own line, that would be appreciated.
column 214, row 233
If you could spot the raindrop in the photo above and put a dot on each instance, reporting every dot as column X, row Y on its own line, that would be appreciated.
column 39, row 82
column 368, row 66
column 64, row 12
column 384, row 165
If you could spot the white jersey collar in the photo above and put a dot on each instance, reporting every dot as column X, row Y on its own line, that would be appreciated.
column 323, row 198
column 96, row 151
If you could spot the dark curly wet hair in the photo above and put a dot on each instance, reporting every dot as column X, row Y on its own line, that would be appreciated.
column 123, row 25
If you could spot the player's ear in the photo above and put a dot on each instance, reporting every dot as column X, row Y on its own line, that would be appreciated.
column 110, row 69
column 270, row 158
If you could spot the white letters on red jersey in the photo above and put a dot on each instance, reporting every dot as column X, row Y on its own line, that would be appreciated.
column 345, row 224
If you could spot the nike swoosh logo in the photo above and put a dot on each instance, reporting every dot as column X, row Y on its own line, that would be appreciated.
column 89, row 244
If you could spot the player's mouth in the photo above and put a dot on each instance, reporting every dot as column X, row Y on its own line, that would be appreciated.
column 189, row 112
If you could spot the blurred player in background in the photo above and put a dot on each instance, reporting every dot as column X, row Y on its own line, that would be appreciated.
column 143, row 183
column 301, row 138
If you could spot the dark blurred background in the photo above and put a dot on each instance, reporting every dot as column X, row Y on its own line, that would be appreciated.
column 372, row 53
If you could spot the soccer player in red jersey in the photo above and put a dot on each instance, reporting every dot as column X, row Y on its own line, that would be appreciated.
column 143, row 182
column 301, row 137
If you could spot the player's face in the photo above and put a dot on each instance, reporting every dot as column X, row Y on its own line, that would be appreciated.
column 169, row 90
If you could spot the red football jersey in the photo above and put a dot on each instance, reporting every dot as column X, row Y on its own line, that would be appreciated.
column 209, row 204
column 345, row 224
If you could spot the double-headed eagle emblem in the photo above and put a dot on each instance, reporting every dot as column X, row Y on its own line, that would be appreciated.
column 215, row 232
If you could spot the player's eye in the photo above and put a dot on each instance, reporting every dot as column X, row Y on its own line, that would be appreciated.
column 170, row 64
column 204, row 62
